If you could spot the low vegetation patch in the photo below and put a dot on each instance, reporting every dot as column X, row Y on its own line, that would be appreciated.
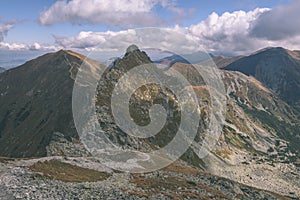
column 177, row 167
column 55, row 169
column 173, row 187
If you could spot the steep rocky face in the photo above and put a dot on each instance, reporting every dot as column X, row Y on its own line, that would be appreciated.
column 36, row 102
column 258, row 121
column 140, row 102
column 133, row 57
column 259, row 125
column 276, row 68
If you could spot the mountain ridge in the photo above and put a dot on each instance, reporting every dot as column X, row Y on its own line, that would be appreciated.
column 29, row 106
column 277, row 68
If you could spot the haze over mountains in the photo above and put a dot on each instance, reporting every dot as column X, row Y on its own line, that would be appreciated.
column 261, row 127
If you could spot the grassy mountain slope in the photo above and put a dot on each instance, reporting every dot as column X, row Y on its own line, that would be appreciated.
column 36, row 102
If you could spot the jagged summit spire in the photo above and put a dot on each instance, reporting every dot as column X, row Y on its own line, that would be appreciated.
column 131, row 48
column 133, row 57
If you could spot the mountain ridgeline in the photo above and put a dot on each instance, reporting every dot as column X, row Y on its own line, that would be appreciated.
column 36, row 100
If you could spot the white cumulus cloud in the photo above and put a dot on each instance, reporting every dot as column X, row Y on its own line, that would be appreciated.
column 228, row 32
column 172, row 39
column 124, row 13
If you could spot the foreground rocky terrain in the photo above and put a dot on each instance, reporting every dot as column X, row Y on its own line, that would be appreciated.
column 65, row 178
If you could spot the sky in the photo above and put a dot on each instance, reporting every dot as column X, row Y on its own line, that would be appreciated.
column 226, row 27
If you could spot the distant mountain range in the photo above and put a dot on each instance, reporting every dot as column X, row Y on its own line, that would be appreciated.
column 2, row 69
column 185, row 58
column 11, row 59
column 261, row 127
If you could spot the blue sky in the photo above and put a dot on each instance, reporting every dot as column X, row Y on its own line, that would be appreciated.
column 221, row 26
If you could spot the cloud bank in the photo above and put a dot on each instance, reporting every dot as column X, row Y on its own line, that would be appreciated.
column 226, row 33
column 165, row 39
column 232, row 33
column 235, row 33
column 27, row 47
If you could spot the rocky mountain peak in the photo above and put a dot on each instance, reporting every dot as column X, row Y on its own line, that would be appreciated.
column 132, row 58
column 132, row 48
